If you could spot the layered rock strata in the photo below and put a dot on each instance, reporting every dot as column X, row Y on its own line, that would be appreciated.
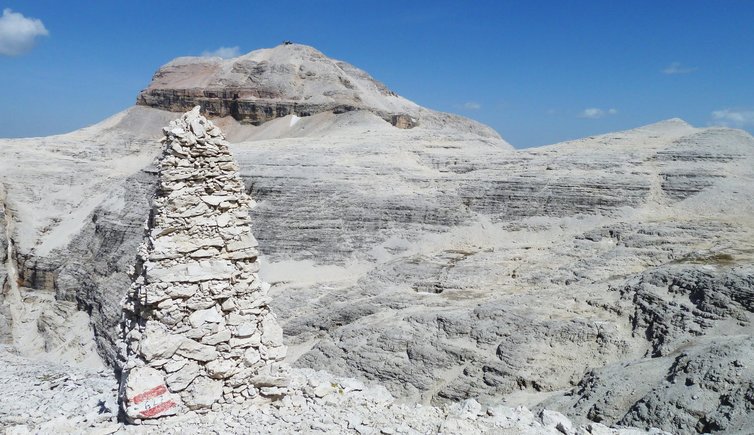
column 250, row 111
column 257, row 87
column 197, row 328
column 293, row 79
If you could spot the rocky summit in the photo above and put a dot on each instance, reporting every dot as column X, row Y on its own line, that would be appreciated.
column 291, row 79
column 426, row 279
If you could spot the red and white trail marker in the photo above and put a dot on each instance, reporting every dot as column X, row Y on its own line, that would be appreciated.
column 147, row 396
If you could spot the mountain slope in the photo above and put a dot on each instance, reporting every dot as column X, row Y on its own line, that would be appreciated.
column 435, row 260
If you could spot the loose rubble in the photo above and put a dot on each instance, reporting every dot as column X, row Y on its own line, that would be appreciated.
column 45, row 397
column 197, row 328
column 67, row 399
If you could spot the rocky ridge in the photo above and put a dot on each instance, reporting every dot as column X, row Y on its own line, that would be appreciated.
column 196, row 318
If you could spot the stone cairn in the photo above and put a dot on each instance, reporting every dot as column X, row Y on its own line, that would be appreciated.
column 197, row 330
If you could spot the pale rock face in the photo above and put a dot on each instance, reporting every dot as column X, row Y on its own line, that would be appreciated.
column 197, row 351
column 245, row 329
column 220, row 369
column 251, row 357
column 197, row 277
column 219, row 337
column 272, row 334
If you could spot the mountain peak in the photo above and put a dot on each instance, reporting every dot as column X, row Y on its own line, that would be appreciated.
column 289, row 79
column 670, row 123
column 672, row 126
column 274, row 82
column 288, row 51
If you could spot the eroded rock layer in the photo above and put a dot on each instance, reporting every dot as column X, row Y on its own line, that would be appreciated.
column 197, row 327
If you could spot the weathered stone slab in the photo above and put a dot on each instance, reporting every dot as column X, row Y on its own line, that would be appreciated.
column 193, row 271
column 146, row 396
column 197, row 351
column 203, row 393
column 158, row 342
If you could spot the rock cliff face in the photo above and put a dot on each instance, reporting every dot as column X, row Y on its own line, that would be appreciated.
column 438, row 261
column 196, row 320
column 5, row 316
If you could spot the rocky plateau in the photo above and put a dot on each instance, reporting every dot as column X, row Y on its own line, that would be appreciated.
column 427, row 276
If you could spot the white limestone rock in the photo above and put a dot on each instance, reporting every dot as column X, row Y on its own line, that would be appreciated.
column 217, row 338
column 146, row 396
column 434, row 260
column 200, row 317
column 198, row 277
column 194, row 350
column 157, row 342
column 220, row 368
column 202, row 393
column 180, row 379
column 194, row 271
column 557, row 420
column 272, row 333
column 251, row 356
column 245, row 329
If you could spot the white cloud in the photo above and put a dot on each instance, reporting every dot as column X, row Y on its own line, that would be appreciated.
column 596, row 113
column 471, row 105
column 733, row 118
column 224, row 52
column 17, row 33
column 678, row 68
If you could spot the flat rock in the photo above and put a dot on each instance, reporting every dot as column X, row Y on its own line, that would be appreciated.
column 203, row 393
column 147, row 396
column 204, row 270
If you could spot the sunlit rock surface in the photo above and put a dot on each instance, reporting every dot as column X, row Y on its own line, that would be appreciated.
column 438, row 261
column 197, row 328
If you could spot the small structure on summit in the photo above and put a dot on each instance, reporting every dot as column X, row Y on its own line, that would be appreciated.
column 197, row 330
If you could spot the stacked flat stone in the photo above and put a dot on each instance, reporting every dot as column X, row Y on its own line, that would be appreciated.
column 197, row 328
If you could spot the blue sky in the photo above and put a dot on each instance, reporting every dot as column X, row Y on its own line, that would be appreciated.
column 538, row 72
